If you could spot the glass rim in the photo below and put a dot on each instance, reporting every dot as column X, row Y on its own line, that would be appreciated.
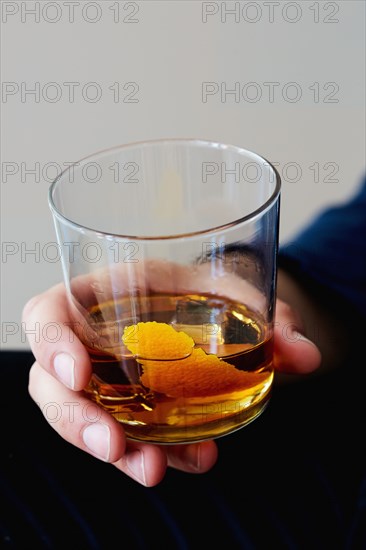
column 211, row 143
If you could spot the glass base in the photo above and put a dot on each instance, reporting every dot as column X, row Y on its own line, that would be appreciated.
column 173, row 435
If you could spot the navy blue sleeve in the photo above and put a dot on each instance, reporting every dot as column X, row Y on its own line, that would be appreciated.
column 331, row 252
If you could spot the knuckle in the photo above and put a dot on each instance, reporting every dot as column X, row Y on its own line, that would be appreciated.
column 30, row 306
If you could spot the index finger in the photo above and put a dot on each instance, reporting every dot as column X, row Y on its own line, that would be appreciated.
column 53, row 339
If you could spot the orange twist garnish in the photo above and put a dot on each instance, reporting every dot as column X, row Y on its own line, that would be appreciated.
column 152, row 340
column 199, row 375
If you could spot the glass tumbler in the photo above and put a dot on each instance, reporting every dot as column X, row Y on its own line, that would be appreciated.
column 169, row 257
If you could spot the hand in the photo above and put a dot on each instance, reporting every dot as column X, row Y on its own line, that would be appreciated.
column 62, row 369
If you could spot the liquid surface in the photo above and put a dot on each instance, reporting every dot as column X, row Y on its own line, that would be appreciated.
column 222, row 385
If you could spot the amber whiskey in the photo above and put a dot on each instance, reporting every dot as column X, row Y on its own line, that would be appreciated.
column 227, row 388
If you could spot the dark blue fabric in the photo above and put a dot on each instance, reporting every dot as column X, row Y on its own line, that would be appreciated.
column 330, row 257
column 331, row 251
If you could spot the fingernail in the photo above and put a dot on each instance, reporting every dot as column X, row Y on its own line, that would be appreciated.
column 301, row 338
column 193, row 456
column 136, row 464
column 97, row 438
column 64, row 366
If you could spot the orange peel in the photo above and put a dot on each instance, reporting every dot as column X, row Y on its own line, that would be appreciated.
column 199, row 375
column 153, row 340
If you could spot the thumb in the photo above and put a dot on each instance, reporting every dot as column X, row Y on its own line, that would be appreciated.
column 293, row 352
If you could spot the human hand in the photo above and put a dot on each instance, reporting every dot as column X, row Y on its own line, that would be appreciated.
column 60, row 373
column 62, row 370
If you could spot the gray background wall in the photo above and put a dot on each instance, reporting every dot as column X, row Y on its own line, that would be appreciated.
column 105, row 73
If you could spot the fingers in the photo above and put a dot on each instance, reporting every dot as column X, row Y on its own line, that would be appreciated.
column 85, row 425
column 144, row 463
column 75, row 418
column 53, row 341
column 293, row 353
column 196, row 458
column 147, row 463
